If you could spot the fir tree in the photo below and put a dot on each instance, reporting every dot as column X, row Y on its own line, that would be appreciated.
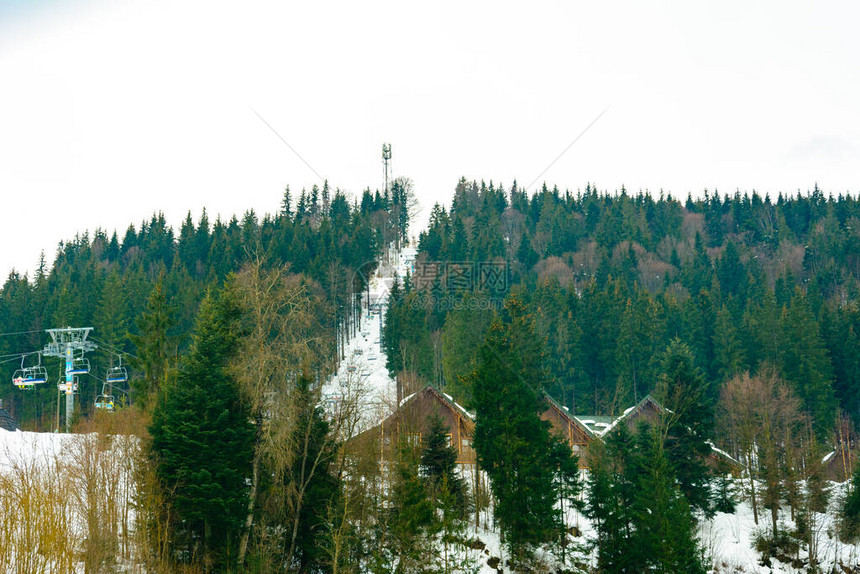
column 687, row 423
column 850, row 514
column 513, row 445
column 202, row 441
column 153, row 344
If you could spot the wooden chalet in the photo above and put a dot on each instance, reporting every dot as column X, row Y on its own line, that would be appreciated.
column 563, row 424
column 411, row 421
column 595, row 427
column 7, row 421
column 839, row 464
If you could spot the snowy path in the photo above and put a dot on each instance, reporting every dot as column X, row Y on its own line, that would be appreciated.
column 363, row 370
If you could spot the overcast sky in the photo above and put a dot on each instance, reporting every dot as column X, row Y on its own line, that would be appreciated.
column 113, row 110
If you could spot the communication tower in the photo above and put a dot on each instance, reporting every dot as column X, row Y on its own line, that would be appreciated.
column 386, row 163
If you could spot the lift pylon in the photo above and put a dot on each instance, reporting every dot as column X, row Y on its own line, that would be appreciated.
column 72, row 344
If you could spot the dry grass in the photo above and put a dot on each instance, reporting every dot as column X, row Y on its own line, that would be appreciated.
column 69, row 502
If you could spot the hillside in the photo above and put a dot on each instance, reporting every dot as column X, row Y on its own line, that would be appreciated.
column 266, row 424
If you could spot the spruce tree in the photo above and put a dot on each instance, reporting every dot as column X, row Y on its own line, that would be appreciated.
column 202, row 440
column 687, row 423
column 850, row 515
column 439, row 464
column 153, row 343
column 445, row 488
column 611, row 492
column 665, row 534
column 412, row 516
column 513, row 445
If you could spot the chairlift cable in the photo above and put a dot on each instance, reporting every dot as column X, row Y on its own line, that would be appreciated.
column 112, row 348
column 21, row 333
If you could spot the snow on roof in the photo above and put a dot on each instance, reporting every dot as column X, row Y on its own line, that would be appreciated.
column 406, row 399
column 722, row 452
column 459, row 406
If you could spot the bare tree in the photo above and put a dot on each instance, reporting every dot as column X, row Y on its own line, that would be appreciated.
column 762, row 417
column 282, row 336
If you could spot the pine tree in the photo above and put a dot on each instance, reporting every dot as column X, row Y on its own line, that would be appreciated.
column 513, row 445
column 687, row 423
column 202, row 440
column 850, row 515
column 153, row 344
column 439, row 463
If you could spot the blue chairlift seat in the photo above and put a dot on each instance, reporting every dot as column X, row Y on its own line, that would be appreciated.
column 80, row 366
column 117, row 375
column 105, row 402
column 28, row 377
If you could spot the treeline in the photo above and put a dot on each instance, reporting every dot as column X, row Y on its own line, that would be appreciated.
column 743, row 280
column 141, row 290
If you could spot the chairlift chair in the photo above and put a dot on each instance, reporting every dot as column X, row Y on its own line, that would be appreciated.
column 105, row 401
column 117, row 374
column 26, row 378
column 80, row 366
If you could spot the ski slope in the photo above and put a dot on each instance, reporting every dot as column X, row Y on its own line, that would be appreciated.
column 362, row 374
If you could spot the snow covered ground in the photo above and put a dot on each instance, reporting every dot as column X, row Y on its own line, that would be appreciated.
column 728, row 539
column 363, row 370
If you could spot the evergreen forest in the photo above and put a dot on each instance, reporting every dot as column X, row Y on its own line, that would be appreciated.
column 738, row 312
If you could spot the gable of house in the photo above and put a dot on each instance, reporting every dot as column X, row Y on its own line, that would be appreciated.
column 564, row 425
column 7, row 421
column 839, row 464
column 411, row 421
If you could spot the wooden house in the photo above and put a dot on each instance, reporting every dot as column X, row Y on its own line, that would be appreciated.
column 649, row 410
column 571, row 429
column 411, row 421
column 7, row 421
column 839, row 464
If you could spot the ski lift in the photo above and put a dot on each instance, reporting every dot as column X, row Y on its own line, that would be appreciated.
column 117, row 374
column 80, row 366
column 64, row 387
column 105, row 401
column 26, row 378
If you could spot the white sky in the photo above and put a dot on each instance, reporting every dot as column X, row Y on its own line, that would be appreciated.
column 112, row 110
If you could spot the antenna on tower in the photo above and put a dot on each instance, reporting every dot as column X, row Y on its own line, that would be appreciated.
column 386, row 163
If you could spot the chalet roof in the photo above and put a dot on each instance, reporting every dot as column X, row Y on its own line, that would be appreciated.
column 596, row 424
column 600, row 425
column 7, row 422
column 564, row 412
column 442, row 397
